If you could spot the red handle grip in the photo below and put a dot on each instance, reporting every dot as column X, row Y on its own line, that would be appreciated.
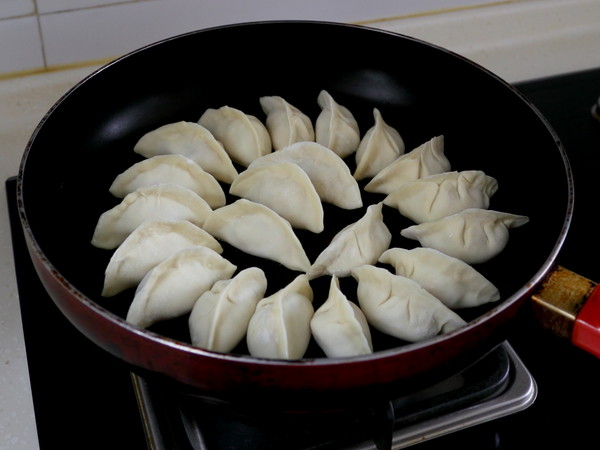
column 586, row 331
column 568, row 304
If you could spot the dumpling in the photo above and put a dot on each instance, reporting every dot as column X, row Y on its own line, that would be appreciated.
column 148, row 245
column 336, row 128
column 259, row 231
column 159, row 202
column 427, row 159
column 243, row 136
column 359, row 243
column 192, row 140
column 329, row 174
column 443, row 194
column 172, row 287
column 340, row 327
column 286, row 189
column 473, row 235
column 280, row 326
column 219, row 319
column 169, row 169
column 286, row 123
column 454, row 282
column 400, row 307
column 380, row 146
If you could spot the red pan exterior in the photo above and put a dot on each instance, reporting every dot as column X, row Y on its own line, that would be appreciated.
column 305, row 385
column 311, row 383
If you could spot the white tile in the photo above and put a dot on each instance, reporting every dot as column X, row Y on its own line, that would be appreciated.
column 20, row 45
column 107, row 32
column 14, row 8
column 100, row 33
column 47, row 6
column 516, row 40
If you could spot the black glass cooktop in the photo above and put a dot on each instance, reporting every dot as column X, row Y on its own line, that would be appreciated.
column 83, row 397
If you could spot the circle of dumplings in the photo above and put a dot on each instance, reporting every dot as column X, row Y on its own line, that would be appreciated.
column 230, row 180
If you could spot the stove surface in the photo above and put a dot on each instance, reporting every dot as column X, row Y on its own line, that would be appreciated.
column 83, row 397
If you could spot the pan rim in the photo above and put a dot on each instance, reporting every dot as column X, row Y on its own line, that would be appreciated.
column 516, row 296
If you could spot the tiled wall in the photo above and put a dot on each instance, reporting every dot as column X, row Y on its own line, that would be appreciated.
column 41, row 34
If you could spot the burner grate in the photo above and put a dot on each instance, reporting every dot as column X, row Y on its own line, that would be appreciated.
column 497, row 385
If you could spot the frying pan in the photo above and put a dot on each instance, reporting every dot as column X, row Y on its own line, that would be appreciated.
column 87, row 138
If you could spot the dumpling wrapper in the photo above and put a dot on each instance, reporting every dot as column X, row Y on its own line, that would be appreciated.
column 169, row 169
column 473, row 235
column 359, row 243
column 172, row 287
column 219, row 319
column 400, row 307
column 258, row 230
column 286, row 123
column 168, row 202
column 443, row 194
column 380, row 146
column 280, row 326
column 243, row 136
column 192, row 140
column 427, row 159
column 286, row 189
column 336, row 128
column 340, row 327
column 147, row 246
column 455, row 283
column 329, row 174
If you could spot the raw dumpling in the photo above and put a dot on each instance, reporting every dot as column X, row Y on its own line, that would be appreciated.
column 473, row 235
column 359, row 243
column 286, row 189
column 400, row 307
column 454, row 282
column 286, row 123
column 336, row 128
column 243, row 136
column 259, row 231
column 379, row 147
column 427, row 159
column 192, row 140
column 340, row 327
column 148, row 245
column 219, row 319
column 159, row 202
column 328, row 172
column 441, row 195
column 169, row 169
column 172, row 287
column 280, row 326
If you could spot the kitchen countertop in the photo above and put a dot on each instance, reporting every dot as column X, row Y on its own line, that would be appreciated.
column 24, row 101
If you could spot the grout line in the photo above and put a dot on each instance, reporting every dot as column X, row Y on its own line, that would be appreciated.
column 40, row 34
column 103, row 5
column 57, row 68
column 435, row 12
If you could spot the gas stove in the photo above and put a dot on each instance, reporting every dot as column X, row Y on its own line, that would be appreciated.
column 526, row 391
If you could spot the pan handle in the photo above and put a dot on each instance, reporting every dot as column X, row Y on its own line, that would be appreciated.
column 569, row 305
